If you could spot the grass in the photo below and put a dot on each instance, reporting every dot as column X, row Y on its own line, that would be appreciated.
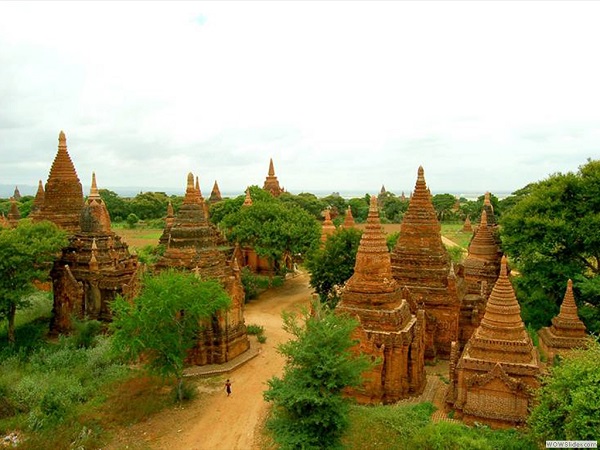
column 453, row 231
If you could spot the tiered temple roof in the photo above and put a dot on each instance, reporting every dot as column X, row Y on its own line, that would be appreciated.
column 271, row 182
column 93, row 269
column 481, row 268
column 63, row 197
column 567, row 330
column 215, row 194
column 387, row 328
column 421, row 262
column 492, row 381
column 192, row 244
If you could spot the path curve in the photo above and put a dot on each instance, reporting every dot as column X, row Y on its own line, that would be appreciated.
column 217, row 421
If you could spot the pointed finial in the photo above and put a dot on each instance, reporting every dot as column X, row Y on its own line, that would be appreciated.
column 170, row 212
column 503, row 269
column 373, row 203
column 190, row 180
column 271, row 168
column 483, row 222
column 94, row 194
column 62, row 139
column 421, row 174
column 40, row 186
column 486, row 199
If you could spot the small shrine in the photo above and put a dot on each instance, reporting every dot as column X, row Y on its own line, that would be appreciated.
column 387, row 329
column 348, row 219
column 493, row 381
column 567, row 330
column 327, row 228
column 14, row 215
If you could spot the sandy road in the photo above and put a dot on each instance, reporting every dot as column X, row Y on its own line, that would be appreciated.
column 217, row 421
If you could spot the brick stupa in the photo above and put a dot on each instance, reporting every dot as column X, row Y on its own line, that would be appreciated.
column 421, row 262
column 481, row 269
column 567, row 330
column 348, row 219
column 271, row 183
column 63, row 198
column 38, row 201
column 327, row 228
column 248, row 198
column 493, row 380
column 215, row 194
column 192, row 245
column 387, row 329
column 467, row 227
column 17, row 194
column 14, row 215
column 93, row 269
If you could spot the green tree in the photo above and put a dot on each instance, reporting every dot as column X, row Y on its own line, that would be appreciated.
column 272, row 229
column 308, row 202
column 360, row 208
column 337, row 204
column 394, row 208
column 149, row 205
column 551, row 234
column 132, row 219
column 568, row 405
column 309, row 409
column 333, row 264
column 443, row 205
column 162, row 323
column 26, row 255
column 118, row 207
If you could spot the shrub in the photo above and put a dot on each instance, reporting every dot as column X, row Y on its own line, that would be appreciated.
column 85, row 332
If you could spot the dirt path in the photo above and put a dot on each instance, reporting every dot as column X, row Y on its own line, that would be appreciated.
column 217, row 421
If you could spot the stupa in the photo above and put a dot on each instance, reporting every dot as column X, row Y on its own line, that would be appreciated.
column 248, row 199
column 38, row 201
column 480, row 271
column 348, row 219
column 567, row 330
column 493, row 380
column 421, row 262
column 17, row 194
column 93, row 268
column 387, row 329
column 327, row 228
column 467, row 227
column 192, row 245
column 215, row 194
column 14, row 215
column 271, row 182
column 63, row 198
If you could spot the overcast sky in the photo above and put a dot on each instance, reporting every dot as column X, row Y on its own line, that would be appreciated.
column 344, row 96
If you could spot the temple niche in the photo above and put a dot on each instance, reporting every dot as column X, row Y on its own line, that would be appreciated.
column 93, row 268
column 63, row 197
column 480, row 272
column 387, row 330
column 422, row 264
column 271, row 183
column 494, row 378
column 567, row 330
column 192, row 245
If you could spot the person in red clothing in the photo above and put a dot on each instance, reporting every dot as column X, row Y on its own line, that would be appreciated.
column 228, row 387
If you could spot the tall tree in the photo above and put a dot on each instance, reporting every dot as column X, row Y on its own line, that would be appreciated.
column 551, row 233
column 162, row 323
column 309, row 409
column 331, row 266
column 26, row 255
column 273, row 229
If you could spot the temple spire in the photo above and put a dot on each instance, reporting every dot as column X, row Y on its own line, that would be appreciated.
column 248, row 199
column 271, row 168
column 94, row 194
column 348, row 219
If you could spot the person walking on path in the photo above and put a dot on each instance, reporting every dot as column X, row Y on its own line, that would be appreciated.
column 228, row 387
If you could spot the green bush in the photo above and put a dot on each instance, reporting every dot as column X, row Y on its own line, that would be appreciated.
column 85, row 332
column 188, row 392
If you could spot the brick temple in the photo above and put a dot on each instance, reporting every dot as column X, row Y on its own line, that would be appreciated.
column 493, row 380
column 480, row 272
column 422, row 264
column 192, row 245
column 271, row 183
column 93, row 268
column 63, row 197
column 327, row 227
column 387, row 329
column 567, row 330
column 215, row 194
